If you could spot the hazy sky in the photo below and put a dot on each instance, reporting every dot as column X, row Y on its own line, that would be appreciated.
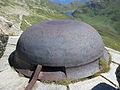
column 67, row 1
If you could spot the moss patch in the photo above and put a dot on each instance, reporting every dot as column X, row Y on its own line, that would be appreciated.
column 65, row 82
column 104, row 66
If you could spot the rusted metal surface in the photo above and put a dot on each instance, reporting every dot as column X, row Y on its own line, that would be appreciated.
column 83, row 70
column 60, row 43
column 34, row 78
column 69, row 44
column 52, row 76
column 73, row 72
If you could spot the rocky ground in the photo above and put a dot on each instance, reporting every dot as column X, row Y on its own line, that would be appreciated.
column 10, row 80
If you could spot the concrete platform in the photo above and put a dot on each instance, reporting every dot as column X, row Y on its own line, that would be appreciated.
column 111, row 74
column 10, row 80
column 115, row 55
column 13, row 40
column 91, row 84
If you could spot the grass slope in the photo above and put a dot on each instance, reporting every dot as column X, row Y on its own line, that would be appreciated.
column 105, row 17
column 41, row 13
column 28, row 12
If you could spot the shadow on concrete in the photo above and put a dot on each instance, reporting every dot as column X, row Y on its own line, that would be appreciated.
column 103, row 86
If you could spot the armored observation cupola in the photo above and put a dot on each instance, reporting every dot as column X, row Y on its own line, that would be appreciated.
column 63, row 48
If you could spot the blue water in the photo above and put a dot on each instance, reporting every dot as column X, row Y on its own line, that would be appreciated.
column 69, row 14
column 68, row 1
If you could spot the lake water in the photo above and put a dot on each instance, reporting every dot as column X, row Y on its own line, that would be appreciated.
column 69, row 14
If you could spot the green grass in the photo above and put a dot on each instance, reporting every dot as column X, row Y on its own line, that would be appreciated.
column 3, row 4
column 104, row 16
column 38, row 12
column 41, row 14
column 103, row 25
column 104, row 66
column 31, row 20
column 65, row 82
column 110, row 37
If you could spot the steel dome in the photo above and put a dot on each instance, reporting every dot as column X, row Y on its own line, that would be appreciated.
column 66, row 43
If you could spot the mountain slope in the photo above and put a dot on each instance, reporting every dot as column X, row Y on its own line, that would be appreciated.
column 69, row 7
column 104, row 15
column 27, row 12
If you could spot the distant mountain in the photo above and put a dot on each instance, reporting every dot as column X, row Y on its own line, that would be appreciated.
column 61, row 7
column 104, row 15
column 68, row 1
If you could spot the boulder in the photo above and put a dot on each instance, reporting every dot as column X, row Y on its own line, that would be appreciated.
column 3, row 42
column 118, row 74
column 8, row 27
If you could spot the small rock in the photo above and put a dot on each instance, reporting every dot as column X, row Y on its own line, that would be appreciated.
column 3, row 42
column 118, row 74
column 5, row 22
column 8, row 27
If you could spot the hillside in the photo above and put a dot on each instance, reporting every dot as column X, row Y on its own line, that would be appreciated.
column 104, row 15
column 23, row 13
column 68, row 7
column 68, row 1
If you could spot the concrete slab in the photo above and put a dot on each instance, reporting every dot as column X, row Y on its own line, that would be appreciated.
column 44, row 86
column 13, row 40
column 4, row 60
column 9, row 50
column 112, row 50
column 4, row 64
column 10, row 80
column 97, row 83
column 115, row 55
column 111, row 74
